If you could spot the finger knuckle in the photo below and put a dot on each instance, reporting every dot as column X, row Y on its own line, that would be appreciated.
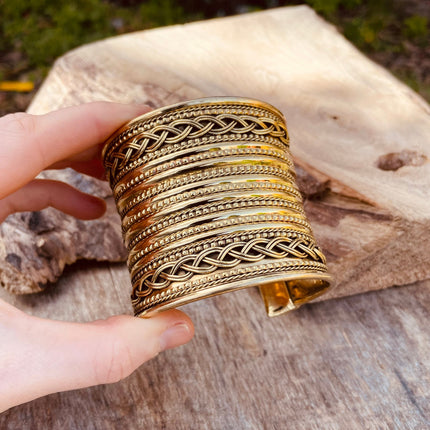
column 114, row 360
column 19, row 123
column 119, row 362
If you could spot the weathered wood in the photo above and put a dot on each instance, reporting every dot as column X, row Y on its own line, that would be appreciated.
column 361, row 362
column 35, row 247
column 355, row 363
column 349, row 121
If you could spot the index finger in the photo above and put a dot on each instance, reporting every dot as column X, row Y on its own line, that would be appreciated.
column 31, row 143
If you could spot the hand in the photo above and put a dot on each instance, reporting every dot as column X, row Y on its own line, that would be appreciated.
column 38, row 356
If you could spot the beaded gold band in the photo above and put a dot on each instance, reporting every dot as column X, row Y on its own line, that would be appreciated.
column 207, row 196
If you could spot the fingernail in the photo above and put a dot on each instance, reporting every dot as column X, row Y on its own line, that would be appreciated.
column 175, row 336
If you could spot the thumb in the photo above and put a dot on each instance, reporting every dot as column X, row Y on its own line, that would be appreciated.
column 51, row 356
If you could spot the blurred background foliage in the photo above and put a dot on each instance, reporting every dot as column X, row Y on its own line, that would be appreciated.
column 33, row 33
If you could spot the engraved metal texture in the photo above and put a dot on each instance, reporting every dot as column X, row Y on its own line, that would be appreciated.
column 208, row 201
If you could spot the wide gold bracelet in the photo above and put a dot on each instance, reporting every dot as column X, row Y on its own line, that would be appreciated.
column 207, row 196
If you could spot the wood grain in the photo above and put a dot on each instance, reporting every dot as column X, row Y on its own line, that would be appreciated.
column 348, row 118
column 361, row 362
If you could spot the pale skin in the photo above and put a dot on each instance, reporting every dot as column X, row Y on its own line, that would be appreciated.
column 40, row 356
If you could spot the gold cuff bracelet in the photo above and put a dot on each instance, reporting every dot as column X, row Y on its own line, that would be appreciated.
column 207, row 196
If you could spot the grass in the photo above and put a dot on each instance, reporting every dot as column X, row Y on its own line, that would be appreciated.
column 33, row 33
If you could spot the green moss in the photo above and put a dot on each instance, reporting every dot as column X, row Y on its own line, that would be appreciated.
column 331, row 7
column 416, row 27
column 43, row 30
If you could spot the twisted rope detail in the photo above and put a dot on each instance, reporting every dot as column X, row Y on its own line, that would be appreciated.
column 187, row 128
column 211, row 208
column 195, row 143
column 188, row 112
column 199, row 192
column 212, row 259
column 141, row 304
column 201, row 175
column 197, row 246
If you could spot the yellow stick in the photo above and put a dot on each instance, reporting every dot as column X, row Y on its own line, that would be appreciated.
column 22, row 87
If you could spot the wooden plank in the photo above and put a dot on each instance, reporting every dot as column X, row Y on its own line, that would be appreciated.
column 344, row 113
column 352, row 363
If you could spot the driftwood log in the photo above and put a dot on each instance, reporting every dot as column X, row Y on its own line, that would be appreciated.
column 360, row 138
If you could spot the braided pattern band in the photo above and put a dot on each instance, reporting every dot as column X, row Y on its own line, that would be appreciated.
column 231, row 276
column 204, row 123
column 171, row 150
column 142, row 247
column 186, row 110
column 207, row 196
column 198, row 245
column 227, row 256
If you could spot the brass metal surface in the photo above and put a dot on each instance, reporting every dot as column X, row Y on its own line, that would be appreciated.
column 207, row 196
